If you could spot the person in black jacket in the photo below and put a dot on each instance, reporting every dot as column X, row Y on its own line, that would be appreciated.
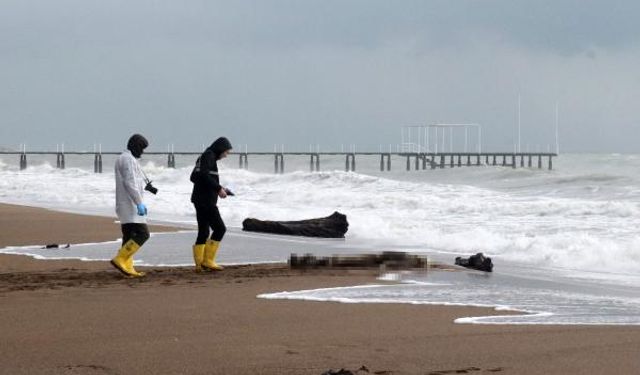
column 206, row 190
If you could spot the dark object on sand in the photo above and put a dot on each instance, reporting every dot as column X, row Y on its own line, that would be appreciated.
column 334, row 226
column 477, row 262
column 56, row 246
column 388, row 259
column 338, row 372
column 362, row 370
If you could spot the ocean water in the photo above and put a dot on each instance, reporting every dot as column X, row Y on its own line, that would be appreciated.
column 560, row 230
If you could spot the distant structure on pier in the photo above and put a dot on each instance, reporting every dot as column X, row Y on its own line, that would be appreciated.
column 439, row 138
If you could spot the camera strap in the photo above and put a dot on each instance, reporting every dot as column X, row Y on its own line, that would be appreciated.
column 146, row 179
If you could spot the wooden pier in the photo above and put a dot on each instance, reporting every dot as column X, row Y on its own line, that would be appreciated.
column 414, row 160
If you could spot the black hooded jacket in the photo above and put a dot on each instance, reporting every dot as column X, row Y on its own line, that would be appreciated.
column 136, row 144
column 206, row 182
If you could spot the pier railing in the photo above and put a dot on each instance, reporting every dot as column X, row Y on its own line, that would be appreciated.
column 417, row 160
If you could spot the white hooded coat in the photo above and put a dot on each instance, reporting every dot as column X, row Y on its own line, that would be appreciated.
column 130, row 184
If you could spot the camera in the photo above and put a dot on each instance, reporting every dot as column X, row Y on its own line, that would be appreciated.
column 150, row 188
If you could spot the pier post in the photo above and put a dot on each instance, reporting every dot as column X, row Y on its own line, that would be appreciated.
column 97, row 163
column 529, row 160
column 486, row 159
column 314, row 164
column 504, row 160
column 550, row 162
column 417, row 162
column 424, row 161
column 513, row 161
column 351, row 156
column 281, row 163
column 23, row 161
column 171, row 160
column 381, row 162
column 389, row 162
column 539, row 161
column 459, row 160
column 275, row 163
column 478, row 159
column 522, row 160
column 240, row 161
column 468, row 160
column 451, row 161
column 441, row 161
column 60, row 160
column 244, row 157
column 494, row 159
column 408, row 163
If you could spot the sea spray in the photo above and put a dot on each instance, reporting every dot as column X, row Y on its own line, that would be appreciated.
column 523, row 215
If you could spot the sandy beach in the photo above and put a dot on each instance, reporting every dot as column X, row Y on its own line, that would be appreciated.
column 73, row 317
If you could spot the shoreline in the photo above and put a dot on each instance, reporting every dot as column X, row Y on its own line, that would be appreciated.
column 81, row 317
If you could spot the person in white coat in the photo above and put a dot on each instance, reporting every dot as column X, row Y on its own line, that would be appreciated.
column 130, row 208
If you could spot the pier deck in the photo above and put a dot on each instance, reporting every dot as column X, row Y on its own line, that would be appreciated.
column 414, row 160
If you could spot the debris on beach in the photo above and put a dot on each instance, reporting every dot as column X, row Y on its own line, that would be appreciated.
column 332, row 226
column 477, row 262
column 362, row 370
column 387, row 259
column 56, row 246
column 338, row 372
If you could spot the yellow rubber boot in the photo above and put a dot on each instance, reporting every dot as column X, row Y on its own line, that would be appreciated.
column 198, row 256
column 210, row 250
column 130, row 266
column 123, row 262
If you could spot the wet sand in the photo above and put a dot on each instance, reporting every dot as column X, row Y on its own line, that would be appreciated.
column 73, row 317
column 22, row 226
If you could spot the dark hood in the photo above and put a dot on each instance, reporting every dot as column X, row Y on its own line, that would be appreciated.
column 137, row 143
column 220, row 145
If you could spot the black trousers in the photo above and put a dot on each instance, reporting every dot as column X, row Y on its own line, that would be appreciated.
column 139, row 233
column 208, row 216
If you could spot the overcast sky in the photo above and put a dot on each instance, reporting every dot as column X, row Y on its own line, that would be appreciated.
column 318, row 72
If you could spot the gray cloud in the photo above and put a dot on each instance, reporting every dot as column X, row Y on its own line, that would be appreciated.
column 564, row 26
column 327, row 72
